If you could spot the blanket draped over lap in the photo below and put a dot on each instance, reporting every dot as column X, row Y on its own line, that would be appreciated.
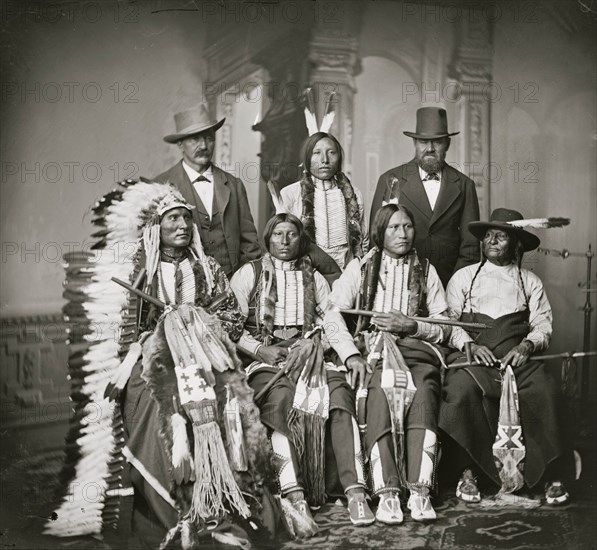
column 471, row 404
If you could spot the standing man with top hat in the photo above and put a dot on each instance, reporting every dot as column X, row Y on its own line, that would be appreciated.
column 222, row 211
column 442, row 199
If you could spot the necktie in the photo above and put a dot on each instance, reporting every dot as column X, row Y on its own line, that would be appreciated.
column 201, row 178
column 431, row 176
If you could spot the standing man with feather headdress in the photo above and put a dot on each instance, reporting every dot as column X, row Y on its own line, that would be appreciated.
column 506, row 415
column 283, row 299
column 325, row 200
column 396, row 360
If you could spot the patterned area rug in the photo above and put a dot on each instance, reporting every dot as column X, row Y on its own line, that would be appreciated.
column 28, row 489
column 533, row 529
column 464, row 527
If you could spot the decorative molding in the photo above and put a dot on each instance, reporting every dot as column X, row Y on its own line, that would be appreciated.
column 473, row 70
column 224, row 143
column 227, row 62
column 333, row 59
column 334, row 62
column 471, row 66
column 476, row 133
column 33, row 379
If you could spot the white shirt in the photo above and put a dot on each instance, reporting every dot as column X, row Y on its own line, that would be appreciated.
column 497, row 291
column 344, row 295
column 293, row 202
column 431, row 186
column 242, row 283
column 205, row 189
column 167, row 282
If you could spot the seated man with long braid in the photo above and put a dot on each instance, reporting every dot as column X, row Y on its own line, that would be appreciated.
column 183, row 369
column 485, row 434
column 283, row 300
column 401, row 359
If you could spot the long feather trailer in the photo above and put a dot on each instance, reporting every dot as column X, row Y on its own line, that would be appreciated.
column 93, row 456
column 541, row 223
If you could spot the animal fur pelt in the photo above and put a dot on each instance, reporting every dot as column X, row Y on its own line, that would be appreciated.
column 158, row 373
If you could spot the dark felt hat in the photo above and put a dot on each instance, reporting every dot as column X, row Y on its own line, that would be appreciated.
column 432, row 123
column 193, row 121
column 505, row 219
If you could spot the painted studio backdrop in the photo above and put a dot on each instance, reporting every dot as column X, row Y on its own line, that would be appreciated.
column 89, row 89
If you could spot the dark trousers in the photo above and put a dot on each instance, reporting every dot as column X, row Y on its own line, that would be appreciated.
column 421, row 416
column 276, row 405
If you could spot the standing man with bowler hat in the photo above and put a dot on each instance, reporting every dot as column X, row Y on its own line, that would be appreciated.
column 222, row 211
column 442, row 199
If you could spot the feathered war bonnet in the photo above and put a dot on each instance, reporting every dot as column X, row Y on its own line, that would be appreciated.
column 169, row 199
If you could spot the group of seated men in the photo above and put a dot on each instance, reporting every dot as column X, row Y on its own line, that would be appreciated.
column 354, row 384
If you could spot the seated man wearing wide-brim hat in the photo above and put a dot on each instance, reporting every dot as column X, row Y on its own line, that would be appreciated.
column 505, row 413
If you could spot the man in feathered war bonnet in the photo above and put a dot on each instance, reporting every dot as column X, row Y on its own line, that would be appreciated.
column 512, row 428
column 395, row 359
column 283, row 299
column 191, row 464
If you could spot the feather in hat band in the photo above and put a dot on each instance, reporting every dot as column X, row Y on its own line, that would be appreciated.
column 513, row 221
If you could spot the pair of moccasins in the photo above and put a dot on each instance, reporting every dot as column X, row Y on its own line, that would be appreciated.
column 468, row 490
column 389, row 510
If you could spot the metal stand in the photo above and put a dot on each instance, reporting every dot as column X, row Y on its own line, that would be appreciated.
column 585, row 378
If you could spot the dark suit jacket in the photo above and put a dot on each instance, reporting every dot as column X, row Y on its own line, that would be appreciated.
column 441, row 233
column 231, row 197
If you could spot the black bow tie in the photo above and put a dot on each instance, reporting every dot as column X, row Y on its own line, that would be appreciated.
column 201, row 178
column 431, row 176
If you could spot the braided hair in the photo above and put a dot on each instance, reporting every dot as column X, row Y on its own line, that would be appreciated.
column 516, row 251
column 380, row 224
column 268, row 279
column 355, row 237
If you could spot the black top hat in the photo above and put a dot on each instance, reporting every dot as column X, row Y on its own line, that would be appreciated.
column 432, row 123
column 502, row 218
column 192, row 121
